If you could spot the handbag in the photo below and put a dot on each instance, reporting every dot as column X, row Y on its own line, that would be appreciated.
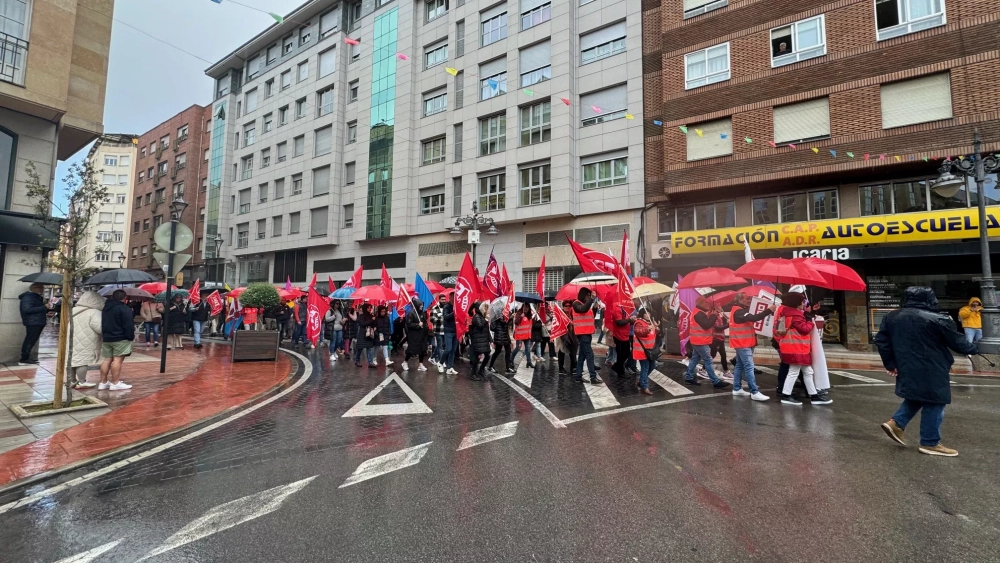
column 653, row 355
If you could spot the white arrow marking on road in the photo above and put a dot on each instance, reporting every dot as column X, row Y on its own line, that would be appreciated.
column 671, row 386
column 378, row 466
column 88, row 556
column 485, row 435
column 600, row 396
column 525, row 375
column 534, row 402
column 857, row 377
column 416, row 406
column 230, row 514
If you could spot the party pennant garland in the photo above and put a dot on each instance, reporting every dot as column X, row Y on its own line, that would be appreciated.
column 451, row 71
column 699, row 132
column 629, row 116
column 565, row 101
column 792, row 146
column 683, row 129
column 815, row 150
column 658, row 123
column 596, row 109
column 748, row 140
column 528, row 92
column 402, row 57
column 850, row 154
column 350, row 41
column 276, row 17
column 773, row 146
column 723, row 136
column 834, row 153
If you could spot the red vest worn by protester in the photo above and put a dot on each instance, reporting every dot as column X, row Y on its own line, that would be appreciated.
column 741, row 335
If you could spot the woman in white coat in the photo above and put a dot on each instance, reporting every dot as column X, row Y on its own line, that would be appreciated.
column 86, row 338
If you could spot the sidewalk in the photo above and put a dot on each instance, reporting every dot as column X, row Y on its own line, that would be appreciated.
column 198, row 384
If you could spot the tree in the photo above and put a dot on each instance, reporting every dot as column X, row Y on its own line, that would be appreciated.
column 84, row 198
column 260, row 295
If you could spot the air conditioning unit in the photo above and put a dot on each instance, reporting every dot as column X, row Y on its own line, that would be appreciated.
column 661, row 249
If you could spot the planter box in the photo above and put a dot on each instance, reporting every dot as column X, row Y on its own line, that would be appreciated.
column 255, row 346
column 92, row 403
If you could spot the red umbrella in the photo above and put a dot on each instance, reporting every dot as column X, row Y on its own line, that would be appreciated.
column 236, row 292
column 711, row 277
column 289, row 295
column 156, row 287
column 837, row 275
column 722, row 298
column 373, row 293
column 569, row 291
column 642, row 280
column 781, row 270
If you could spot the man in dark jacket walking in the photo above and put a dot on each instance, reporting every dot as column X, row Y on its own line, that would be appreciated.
column 450, row 335
column 914, row 342
column 118, row 332
column 416, row 335
column 33, row 312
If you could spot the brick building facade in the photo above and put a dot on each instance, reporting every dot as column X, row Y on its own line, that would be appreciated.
column 813, row 115
column 170, row 162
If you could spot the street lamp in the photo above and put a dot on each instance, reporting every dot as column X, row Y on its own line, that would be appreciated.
column 474, row 222
column 217, row 243
column 121, row 260
column 176, row 210
column 953, row 178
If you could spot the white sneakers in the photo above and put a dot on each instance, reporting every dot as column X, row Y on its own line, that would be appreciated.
column 104, row 386
column 120, row 386
column 406, row 366
column 421, row 367
column 758, row 396
column 440, row 368
column 740, row 393
column 451, row 371
column 333, row 357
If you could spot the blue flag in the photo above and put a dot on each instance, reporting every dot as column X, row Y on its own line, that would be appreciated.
column 423, row 293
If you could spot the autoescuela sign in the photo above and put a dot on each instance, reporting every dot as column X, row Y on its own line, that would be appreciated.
column 949, row 224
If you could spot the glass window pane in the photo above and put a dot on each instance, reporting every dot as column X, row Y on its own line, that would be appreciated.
column 685, row 219
column 725, row 214
column 823, row 205
column 807, row 34
column 794, row 207
column 667, row 219
column 990, row 187
column 910, row 197
column 705, row 216
column 876, row 200
column 765, row 210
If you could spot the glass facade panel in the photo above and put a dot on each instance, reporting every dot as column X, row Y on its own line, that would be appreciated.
column 379, row 211
column 215, row 175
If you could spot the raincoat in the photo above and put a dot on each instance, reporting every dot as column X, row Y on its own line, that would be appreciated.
column 970, row 318
column 87, row 330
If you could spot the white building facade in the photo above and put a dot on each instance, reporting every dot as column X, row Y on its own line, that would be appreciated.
column 113, row 159
column 328, row 155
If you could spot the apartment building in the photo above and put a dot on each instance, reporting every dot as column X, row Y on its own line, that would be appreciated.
column 113, row 159
column 172, row 162
column 815, row 128
column 356, row 134
column 53, row 74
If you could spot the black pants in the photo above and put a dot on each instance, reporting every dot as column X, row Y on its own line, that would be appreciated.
column 623, row 353
column 31, row 336
column 719, row 347
column 782, row 375
column 420, row 357
column 478, row 362
column 572, row 352
column 505, row 348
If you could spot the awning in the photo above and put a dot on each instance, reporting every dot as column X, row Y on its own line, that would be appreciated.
column 24, row 229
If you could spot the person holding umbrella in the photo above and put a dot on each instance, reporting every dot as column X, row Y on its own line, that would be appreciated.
column 366, row 336
column 152, row 316
column 644, row 339
column 86, row 338
column 795, row 349
column 522, row 333
column 583, row 328
column 700, row 341
column 743, row 338
column 416, row 335
column 480, row 340
column 177, row 315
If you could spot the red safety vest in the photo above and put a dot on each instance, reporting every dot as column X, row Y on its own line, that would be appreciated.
column 699, row 336
column 522, row 331
column 741, row 335
column 583, row 323
column 641, row 342
column 793, row 342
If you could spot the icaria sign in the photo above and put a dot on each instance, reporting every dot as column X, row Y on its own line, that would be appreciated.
column 828, row 253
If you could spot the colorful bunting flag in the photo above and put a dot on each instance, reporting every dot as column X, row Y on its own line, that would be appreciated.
column 898, row 159
column 350, row 41
column 815, row 150
column 723, row 136
column 217, row 1
column 748, row 140
column 492, row 83
column 834, row 153
column 657, row 122
column 850, row 154
column 881, row 157
column 451, row 71
column 699, row 132
column 402, row 57
column 773, row 144
column 565, row 101
column 528, row 92
column 867, row 156
column 629, row 116
column 683, row 129
column 792, row 146
column 596, row 109
column 276, row 17
column 925, row 159
column 196, row 292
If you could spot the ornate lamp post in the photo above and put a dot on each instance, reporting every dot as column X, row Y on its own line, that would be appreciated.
column 474, row 222
column 176, row 210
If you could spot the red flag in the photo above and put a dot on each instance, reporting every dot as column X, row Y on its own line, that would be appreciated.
column 387, row 282
column 465, row 294
column 314, row 318
column 505, row 284
column 592, row 260
column 510, row 302
column 492, row 282
column 312, row 283
column 329, row 281
column 196, row 292
column 560, row 324
column 624, row 260
column 355, row 279
column 214, row 301
column 235, row 309
column 540, row 288
column 626, row 289
column 402, row 300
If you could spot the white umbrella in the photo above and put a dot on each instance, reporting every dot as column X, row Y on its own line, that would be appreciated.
column 595, row 279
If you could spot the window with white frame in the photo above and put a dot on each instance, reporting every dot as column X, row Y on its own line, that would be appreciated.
column 244, row 201
column 110, row 161
column 303, row 73
column 353, row 14
column 262, row 193
column 286, row 79
column 900, row 17
column 694, row 8
column 268, row 122
column 802, row 206
column 126, row 160
column 352, row 91
column 716, row 215
column 282, row 150
column 277, row 225
column 109, row 179
column 492, row 192
column 279, row 188
column 433, row 151
column 435, row 55
column 253, row 67
column 432, row 203
column 492, row 134
column 251, row 100
column 355, row 52
column 536, row 123
column 349, row 216
column 533, row 12
column 601, row 171
column 352, row 132
column 706, row 66
column 243, row 235
column 120, row 198
column 300, row 108
column 536, row 185
column 434, row 9
column 349, row 169
column 272, row 54
column 494, row 85
column 321, row 181
column 918, row 100
column 324, row 101
column 535, row 64
column 459, row 38
column 715, row 139
column 435, row 102
column 101, row 256
column 261, row 228
column 299, row 145
column 494, row 27
column 282, row 116
column 123, row 179
column 246, row 170
column 602, row 43
column 604, row 105
column 802, row 121
column 249, row 133
column 296, row 184
column 800, row 41
column 305, row 33
column 329, row 22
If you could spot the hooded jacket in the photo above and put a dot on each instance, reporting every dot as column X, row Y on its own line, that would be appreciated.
column 796, row 320
column 32, row 309
column 116, row 322
column 915, row 341
column 87, row 330
column 416, row 335
column 479, row 331
column 970, row 318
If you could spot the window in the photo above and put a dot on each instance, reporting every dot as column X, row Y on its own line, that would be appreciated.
column 165, row 142
column 707, row 66
column 602, row 43
column 135, row 252
column 261, row 228
column 327, row 62
column 324, row 141
column 534, row 64
column 352, row 132
column 246, row 170
column 800, row 41
column 536, row 123
column 276, row 226
column 329, row 23
column 149, row 198
column 300, row 108
column 145, row 250
column 286, row 79
column 138, row 201
column 604, row 105
column 318, row 219
column 161, row 195
column 253, row 67
column 494, row 26
column 532, row 14
column 123, row 180
column 296, row 184
column 244, row 201
column 352, row 95
column 492, row 192
column 435, row 55
column 692, row 217
column 457, row 157
column 493, row 86
column 354, row 14
column 916, row 101
column 141, row 176
column 157, row 221
column 265, row 158
column 269, row 88
column 110, row 161
column 716, row 139
column 321, row 181
column 916, row 195
column 268, row 122
column 694, row 8
column 251, row 100
column 298, row 145
column 145, row 224
column 601, row 171
column 282, row 116
column 109, row 179
column 249, row 134
column 459, row 90
column 143, row 152
column 492, row 134
column 162, row 168
column 204, row 184
column 104, row 217
column 135, row 227
column 460, row 38
column 305, row 33
column 120, row 199
column 262, row 193
column 272, row 54
column 432, row 203
column 279, row 188
column 435, row 102
column 355, row 52
column 900, row 17
column 536, row 185
column 789, row 208
column 101, row 256
column 804, row 121
column 126, row 160
column 149, row 173
column 303, row 73
column 349, row 173
column 293, row 223
column 435, row 9
column 243, row 235
column 282, row 149
column 433, row 151
column 456, row 188
column 349, row 216
column 179, row 189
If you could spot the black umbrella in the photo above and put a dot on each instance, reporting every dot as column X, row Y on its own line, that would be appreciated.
column 44, row 278
column 449, row 281
column 133, row 293
column 119, row 275
column 550, row 295
column 524, row 297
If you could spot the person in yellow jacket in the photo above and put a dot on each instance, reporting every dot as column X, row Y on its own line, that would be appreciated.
column 972, row 320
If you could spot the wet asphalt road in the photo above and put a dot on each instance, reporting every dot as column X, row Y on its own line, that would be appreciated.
column 709, row 478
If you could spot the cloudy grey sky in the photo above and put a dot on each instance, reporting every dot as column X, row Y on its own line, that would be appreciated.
column 148, row 81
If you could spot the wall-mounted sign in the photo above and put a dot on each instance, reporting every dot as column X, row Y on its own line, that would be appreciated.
column 828, row 253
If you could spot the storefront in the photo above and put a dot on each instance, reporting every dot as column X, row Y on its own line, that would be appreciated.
column 938, row 249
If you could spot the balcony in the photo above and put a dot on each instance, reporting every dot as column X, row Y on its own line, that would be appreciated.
column 13, row 59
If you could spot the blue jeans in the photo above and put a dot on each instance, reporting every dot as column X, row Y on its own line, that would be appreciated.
column 930, row 420
column 198, row 325
column 299, row 334
column 701, row 354
column 527, row 351
column 973, row 335
column 645, row 366
column 439, row 349
column 337, row 341
column 743, row 369
column 450, row 344
column 153, row 329
column 586, row 353
column 368, row 355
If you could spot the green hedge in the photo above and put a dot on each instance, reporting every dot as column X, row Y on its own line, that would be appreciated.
column 260, row 295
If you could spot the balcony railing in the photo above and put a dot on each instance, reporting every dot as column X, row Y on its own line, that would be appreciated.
column 13, row 59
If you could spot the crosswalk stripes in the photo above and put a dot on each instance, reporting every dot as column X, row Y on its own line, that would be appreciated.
column 600, row 396
column 669, row 385
column 856, row 377
column 524, row 375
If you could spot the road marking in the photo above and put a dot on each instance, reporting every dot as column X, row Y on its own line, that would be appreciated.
column 856, row 377
column 766, row 369
column 643, row 406
column 88, row 556
column 534, row 402
column 415, row 406
column 671, row 386
column 378, row 466
column 600, row 396
column 231, row 514
column 490, row 434
column 31, row 499
column 525, row 375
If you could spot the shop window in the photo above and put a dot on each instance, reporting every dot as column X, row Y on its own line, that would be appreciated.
column 789, row 208
column 914, row 196
column 716, row 215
